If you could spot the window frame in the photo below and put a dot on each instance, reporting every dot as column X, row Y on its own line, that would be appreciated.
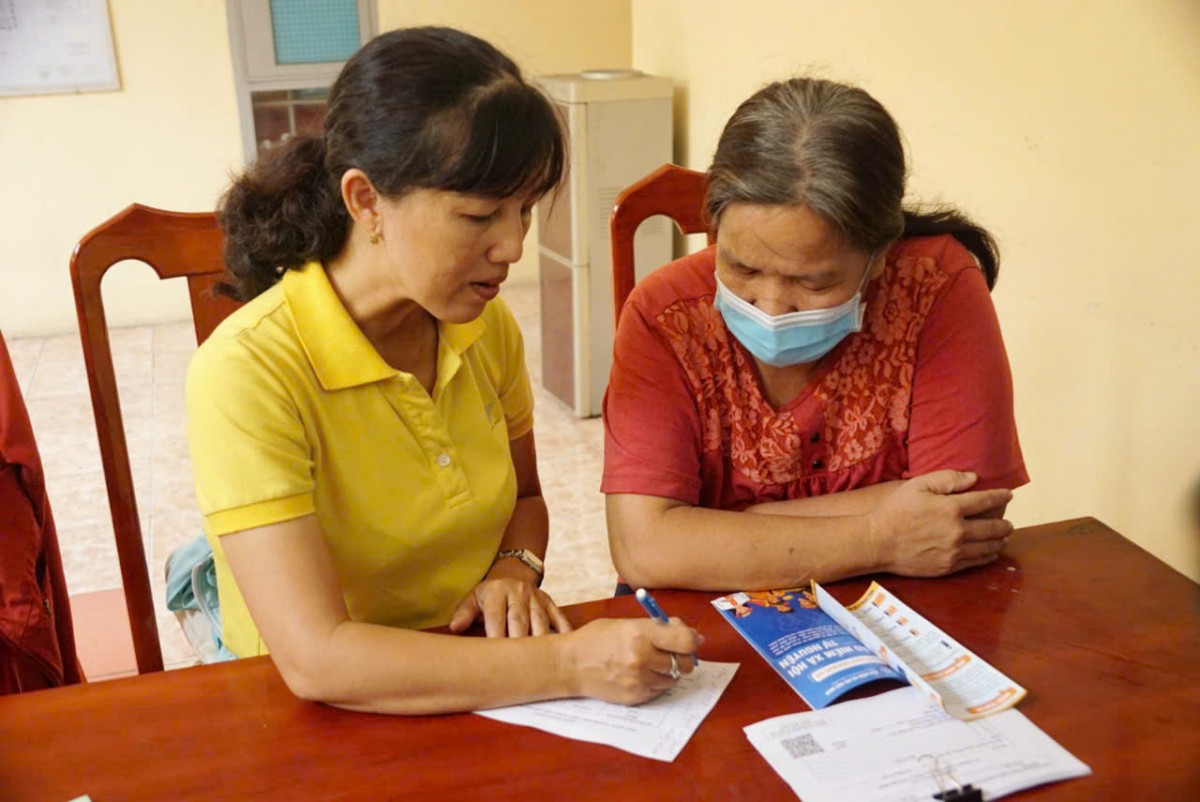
column 252, row 48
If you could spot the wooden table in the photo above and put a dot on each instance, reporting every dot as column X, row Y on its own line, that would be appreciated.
column 1105, row 637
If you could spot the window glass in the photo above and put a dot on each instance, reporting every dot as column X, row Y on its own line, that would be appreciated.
column 281, row 114
column 314, row 31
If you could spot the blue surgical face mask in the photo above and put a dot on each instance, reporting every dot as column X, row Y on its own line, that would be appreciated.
column 794, row 338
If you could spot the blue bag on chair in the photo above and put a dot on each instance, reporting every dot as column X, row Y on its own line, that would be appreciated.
column 192, row 596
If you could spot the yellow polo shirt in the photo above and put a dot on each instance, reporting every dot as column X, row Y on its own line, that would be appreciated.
column 291, row 412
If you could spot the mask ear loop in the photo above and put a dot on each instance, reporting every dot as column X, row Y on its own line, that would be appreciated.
column 866, row 277
column 862, row 284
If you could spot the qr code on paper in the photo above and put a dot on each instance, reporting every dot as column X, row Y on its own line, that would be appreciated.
column 802, row 745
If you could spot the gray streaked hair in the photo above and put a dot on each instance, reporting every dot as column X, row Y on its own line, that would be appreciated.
column 834, row 149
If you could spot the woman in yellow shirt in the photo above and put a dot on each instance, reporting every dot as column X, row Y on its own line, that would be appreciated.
column 361, row 430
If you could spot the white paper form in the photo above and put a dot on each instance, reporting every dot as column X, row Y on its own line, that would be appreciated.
column 884, row 749
column 966, row 685
column 658, row 729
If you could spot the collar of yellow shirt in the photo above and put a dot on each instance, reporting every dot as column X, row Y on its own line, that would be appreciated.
column 340, row 353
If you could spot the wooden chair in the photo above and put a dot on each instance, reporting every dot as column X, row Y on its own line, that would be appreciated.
column 175, row 245
column 671, row 190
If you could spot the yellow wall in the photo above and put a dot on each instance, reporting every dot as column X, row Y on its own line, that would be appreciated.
column 170, row 136
column 542, row 36
column 1070, row 129
column 167, row 138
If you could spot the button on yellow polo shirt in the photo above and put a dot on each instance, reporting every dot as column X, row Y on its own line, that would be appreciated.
column 291, row 412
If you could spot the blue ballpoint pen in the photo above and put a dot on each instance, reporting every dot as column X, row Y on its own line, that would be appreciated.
column 654, row 611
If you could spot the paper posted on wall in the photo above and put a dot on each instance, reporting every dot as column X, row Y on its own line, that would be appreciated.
column 900, row 746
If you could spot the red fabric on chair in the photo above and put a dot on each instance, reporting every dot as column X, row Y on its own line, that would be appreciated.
column 37, row 640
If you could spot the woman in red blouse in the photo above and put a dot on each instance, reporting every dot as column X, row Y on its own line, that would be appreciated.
column 832, row 365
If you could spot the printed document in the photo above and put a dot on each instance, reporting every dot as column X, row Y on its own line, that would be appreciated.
column 819, row 659
column 658, row 729
column 823, row 650
column 964, row 684
column 902, row 747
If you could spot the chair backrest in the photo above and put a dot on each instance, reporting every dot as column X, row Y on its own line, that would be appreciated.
column 175, row 245
column 671, row 190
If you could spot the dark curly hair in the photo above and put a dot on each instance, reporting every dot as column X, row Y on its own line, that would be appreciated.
column 833, row 148
column 418, row 108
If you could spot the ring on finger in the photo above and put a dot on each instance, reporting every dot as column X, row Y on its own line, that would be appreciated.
column 674, row 672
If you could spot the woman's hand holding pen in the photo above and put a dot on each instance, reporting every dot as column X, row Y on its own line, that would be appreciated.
column 628, row 661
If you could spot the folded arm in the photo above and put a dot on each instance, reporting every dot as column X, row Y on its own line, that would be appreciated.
column 859, row 501
column 927, row 526
column 664, row 543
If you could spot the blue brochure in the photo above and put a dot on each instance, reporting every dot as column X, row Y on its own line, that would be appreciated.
column 811, row 651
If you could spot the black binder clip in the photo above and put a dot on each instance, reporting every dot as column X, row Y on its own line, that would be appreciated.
column 959, row 792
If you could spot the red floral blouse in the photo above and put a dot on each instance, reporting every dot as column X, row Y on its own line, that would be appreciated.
column 924, row 386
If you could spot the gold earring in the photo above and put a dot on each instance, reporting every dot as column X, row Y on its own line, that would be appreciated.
column 374, row 238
